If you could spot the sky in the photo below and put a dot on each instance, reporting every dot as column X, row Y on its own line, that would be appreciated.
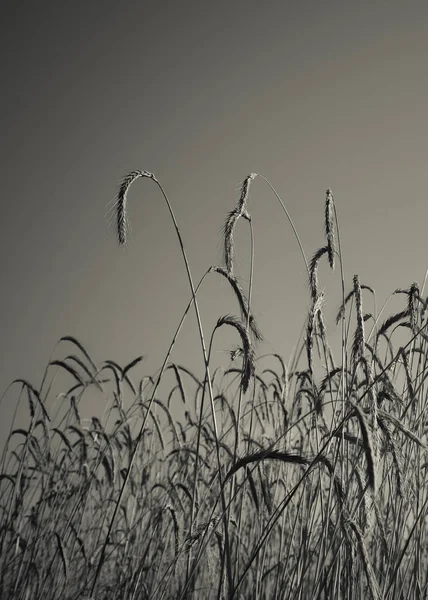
column 309, row 94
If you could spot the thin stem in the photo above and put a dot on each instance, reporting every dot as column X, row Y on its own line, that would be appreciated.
column 289, row 218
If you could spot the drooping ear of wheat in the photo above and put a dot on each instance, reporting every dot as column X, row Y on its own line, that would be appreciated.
column 239, row 211
column 359, row 339
column 312, row 316
column 329, row 228
column 313, row 272
column 368, row 447
column 248, row 352
column 242, row 301
column 121, row 208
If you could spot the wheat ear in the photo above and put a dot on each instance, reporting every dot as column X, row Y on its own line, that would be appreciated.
column 240, row 210
column 329, row 228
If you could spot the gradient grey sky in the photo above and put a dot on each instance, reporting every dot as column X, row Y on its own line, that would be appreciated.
column 309, row 94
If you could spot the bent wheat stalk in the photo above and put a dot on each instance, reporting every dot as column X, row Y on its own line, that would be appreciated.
column 122, row 226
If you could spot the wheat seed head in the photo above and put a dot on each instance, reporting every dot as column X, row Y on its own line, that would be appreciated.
column 120, row 204
column 329, row 227
column 240, row 210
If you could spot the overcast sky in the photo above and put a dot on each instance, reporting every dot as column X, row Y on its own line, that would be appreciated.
column 310, row 94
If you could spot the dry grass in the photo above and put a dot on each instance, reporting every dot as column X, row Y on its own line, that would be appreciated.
column 300, row 480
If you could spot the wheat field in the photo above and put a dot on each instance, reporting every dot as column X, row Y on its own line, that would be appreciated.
column 283, row 478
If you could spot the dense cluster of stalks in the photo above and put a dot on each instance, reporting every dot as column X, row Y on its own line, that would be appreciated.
column 283, row 481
